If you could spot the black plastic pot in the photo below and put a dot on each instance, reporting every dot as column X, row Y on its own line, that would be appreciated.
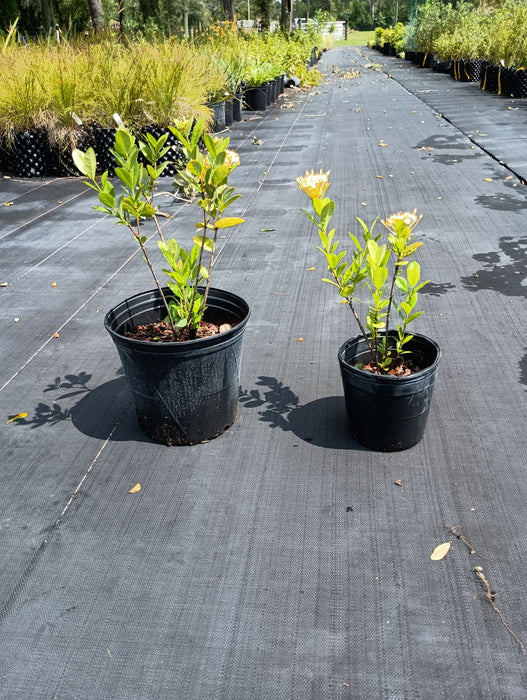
column 104, row 138
column 388, row 413
column 31, row 155
column 184, row 393
column 256, row 98
column 218, row 116
column 237, row 104
column 228, row 113
column 270, row 90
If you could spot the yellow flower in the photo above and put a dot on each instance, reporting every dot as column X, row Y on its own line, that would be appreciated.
column 410, row 218
column 232, row 159
column 314, row 184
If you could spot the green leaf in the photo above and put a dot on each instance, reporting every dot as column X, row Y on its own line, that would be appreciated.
column 379, row 277
column 107, row 198
column 204, row 242
column 402, row 284
column 85, row 162
column 229, row 221
column 413, row 273
column 125, row 176
column 124, row 141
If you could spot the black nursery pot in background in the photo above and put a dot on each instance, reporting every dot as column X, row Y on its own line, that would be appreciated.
column 186, row 392
column 256, row 98
column 237, row 104
column 388, row 413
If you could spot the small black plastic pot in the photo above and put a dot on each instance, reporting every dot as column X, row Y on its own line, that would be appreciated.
column 31, row 154
column 387, row 413
column 186, row 392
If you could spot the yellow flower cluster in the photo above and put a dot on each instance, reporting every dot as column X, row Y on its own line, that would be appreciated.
column 232, row 159
column 314, row 184
column 410, row 218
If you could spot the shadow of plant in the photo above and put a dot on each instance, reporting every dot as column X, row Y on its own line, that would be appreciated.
column 321, row 422
column 503, row 202
column 522, row 364
column 449, row 143
column 96, row 411
column 504, row 271
column 436, row 289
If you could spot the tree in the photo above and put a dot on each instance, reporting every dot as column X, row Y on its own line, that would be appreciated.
column 263, row 10
column 8, row 13
column 96, row 14
column 229, row 7
column 286, row 16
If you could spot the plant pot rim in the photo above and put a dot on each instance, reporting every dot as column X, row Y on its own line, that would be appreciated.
column 190, row 345
column 388, row 378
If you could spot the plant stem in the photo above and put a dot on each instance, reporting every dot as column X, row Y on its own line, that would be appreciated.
column 362, row 329
column 392, row 289
column 211, row 265
column 137, row 236
column 200, row 260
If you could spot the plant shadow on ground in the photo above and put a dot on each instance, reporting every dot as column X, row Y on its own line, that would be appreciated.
column 321, row 422
column 522, row 364
column 95, row 412
column 504, row 271
column 448, row 143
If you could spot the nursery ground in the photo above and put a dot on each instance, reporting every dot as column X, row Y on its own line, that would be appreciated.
column 281, row 560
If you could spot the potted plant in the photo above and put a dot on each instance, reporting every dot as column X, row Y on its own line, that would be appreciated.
column 180, row 344
column 388, row 375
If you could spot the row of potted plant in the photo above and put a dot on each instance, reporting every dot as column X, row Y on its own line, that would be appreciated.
column 180, row 344
column 55, row 97
column 485, row 46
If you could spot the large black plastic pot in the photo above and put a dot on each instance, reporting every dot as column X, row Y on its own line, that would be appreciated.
column 237, row 104
column 229, row 119
column 187, row 392
column 256, row 98
column 388, row 413
column 218, row 116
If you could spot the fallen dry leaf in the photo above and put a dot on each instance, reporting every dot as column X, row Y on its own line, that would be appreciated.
column 8, row 204
column 53, row 284
column 309, row 268
column 440, row 551
column 380, row 177
column 135, row 489
column 17, row 417
column 56, row 335
column 382, row 144
column 398, row 482
column 510, row 177
column 487, row 179
column 426, row 148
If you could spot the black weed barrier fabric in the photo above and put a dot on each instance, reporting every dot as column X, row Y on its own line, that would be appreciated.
column 281, row 560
